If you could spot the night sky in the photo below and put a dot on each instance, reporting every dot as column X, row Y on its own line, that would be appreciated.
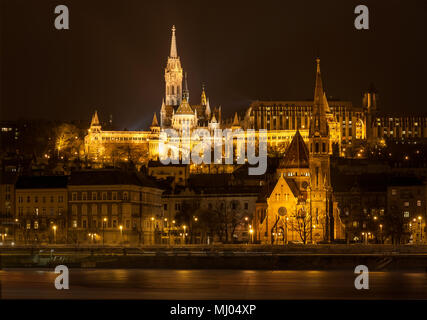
column 113, row 57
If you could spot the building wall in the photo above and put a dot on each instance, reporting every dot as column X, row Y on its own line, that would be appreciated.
column 97, row 212
column 38, row 211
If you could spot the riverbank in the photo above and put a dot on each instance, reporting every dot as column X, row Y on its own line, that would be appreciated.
column 252, row 257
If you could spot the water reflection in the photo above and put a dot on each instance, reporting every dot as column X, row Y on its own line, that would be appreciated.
column 210, row 284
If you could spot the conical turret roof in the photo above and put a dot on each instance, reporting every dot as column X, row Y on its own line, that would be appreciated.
column 296, row 155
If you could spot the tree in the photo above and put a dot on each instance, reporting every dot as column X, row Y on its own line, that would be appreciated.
column 300, row 223
column 395, row 225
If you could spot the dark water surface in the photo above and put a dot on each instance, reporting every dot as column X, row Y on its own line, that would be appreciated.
column 210, row 284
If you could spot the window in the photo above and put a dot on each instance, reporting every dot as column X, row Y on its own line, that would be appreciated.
column 125, row 196
column 418, row 203
column 74, row 196
column 20, row 200
column 74, row 223
column 93, row 195
column 84, row 224
column 20, row 211
column 114, row 195
column 406, row 204
column 84, row 196
column 165, row 206
column 36, row 224
column 114, row 223
column 406, row 214
column 246, row 206
column 28, row 198
column 44, row 199
column 51, row 211
column 60, row 199
column 104, row 196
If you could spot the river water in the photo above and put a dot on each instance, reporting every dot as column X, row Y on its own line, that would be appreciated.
column 210, row 284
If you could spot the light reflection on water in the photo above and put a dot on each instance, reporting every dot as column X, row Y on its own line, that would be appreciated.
column 210, row 284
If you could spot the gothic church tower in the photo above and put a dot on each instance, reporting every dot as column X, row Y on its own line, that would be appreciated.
column 321, row 202
column 173, row 75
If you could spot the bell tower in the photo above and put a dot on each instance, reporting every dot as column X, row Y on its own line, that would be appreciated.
column 173, row 75
column 321, row 202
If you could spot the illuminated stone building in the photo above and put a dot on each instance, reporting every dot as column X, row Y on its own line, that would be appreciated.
column 113, row 206
column 348, row 125
column 299, row 204
column 41, row 209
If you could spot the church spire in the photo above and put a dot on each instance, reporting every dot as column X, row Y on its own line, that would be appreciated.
column 318, row 91
column 203, row 97
column 174, row 52
column 186, row 92
column 95, row 119
column 319, row 124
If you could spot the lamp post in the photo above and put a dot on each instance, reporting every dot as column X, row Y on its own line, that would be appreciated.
column 251, row 231
column 54, row 233
column 185, row 227
column 381, row 232
column 286, row 224
column 14, row 230
column 121, row 233
column 103, row 231
column 421, row 231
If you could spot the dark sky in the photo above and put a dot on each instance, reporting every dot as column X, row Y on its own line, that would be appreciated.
column 113, row 57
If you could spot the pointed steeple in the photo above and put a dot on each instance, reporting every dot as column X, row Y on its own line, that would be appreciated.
column 95, row 120
column 236, row 123
column 325, row 103
column 155, row 123
column 213, row 120
column 208, row 109
column 203, row 97
column 186, row 92
column 318, row 90
column 174, row 52
column 318, row 124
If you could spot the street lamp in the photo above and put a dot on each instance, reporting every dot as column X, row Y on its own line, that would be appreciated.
column 381, row 232
column 121, row 232
column 251, row 231
column 185, row 227
column 103, row 231
column 54, row 233
column 421, row 231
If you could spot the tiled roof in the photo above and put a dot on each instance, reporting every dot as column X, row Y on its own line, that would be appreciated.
column 42, row 182
column 296, row 155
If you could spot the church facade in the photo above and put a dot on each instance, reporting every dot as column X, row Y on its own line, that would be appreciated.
column 299, row 205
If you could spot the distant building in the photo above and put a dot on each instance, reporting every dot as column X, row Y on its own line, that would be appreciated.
column 41, row 209
column 406, row 204
column 112, row 206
